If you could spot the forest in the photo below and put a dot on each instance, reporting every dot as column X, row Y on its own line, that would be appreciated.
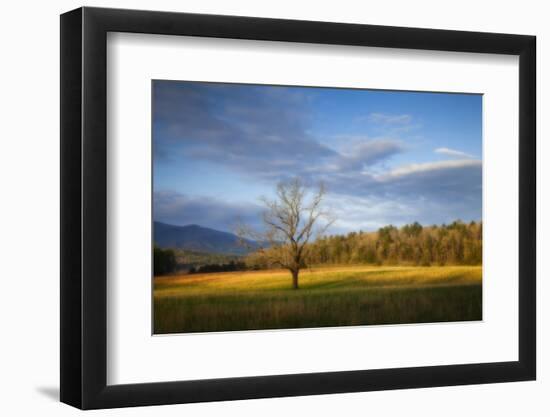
column 457, row 243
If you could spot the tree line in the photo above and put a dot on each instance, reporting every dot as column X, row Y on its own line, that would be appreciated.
column 164, row 261
column 457, row 243
column 231, row 266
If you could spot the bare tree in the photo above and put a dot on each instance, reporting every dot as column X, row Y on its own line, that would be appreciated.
column 291, row 221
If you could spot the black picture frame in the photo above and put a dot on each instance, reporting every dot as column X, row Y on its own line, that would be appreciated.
column 84, row 207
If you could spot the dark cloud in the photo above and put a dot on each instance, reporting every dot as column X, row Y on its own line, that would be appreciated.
column 257, row 130
column 179, row 209
column 431, row 193
column 446, row 181
column 251, row 128
column 367, row 153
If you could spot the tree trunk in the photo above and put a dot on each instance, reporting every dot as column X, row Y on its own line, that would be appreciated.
column 295, row 273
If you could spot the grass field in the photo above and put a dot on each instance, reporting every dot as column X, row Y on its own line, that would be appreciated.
column 328, row 296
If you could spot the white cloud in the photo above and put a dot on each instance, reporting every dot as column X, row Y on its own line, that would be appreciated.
column 453, row 153
column 366, row 213
column 390, row 124
column 366, row 153
column 430, row 166
column 390, row 119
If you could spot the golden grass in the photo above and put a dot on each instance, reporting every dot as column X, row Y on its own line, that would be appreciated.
column 313, row 278
column 333, row 295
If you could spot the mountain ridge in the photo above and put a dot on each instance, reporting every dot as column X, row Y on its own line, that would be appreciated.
column 199, row 238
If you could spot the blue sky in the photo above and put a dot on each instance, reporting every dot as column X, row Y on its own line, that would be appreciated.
column 385, row 157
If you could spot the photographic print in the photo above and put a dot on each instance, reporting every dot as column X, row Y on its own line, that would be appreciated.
column 284, row 207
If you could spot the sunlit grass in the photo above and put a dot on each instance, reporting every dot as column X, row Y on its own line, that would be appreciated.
column 328, row 296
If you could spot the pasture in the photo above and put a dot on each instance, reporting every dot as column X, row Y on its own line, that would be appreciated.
column 328, row 296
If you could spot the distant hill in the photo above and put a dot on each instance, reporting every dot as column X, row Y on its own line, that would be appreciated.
column 197, row 238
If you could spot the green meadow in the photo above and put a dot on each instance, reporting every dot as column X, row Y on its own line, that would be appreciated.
column 328, row 296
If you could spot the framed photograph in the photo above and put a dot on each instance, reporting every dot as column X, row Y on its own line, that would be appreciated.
column 258, row 208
